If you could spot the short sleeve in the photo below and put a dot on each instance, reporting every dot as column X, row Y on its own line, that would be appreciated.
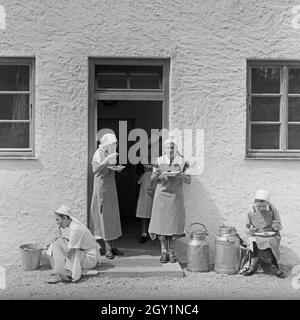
column 75, row 236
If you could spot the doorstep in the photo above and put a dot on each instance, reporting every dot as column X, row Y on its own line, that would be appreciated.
column 134, row 264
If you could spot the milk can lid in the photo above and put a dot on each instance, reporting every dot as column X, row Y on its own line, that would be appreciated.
column 226, row 230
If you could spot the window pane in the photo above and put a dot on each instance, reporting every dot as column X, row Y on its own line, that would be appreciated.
column 14, row 135
column 14, row 107
column 144, row 82
column 294, row 109
column 294, row 80
column 14, row 78
column 265, row 80
column 294, row 137
column 265, row 108
column 265, row 136
column 112, row 81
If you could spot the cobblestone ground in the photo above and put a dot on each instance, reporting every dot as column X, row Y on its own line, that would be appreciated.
column 32, row 285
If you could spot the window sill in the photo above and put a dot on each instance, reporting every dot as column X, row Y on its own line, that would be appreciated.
column 25, row 157
column 273, row 156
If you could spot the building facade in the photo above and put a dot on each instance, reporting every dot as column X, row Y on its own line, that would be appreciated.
column 230, row 67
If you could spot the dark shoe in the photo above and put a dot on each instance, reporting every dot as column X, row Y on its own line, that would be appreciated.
column 172, row 258
column 102, row 251
column 279, row 274
column 117, row 252
column 249, row 272
column 164, row 258
column 109, row 255
column 143, row 239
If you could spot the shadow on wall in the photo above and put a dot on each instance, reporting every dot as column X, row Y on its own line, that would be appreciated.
column 201, row 208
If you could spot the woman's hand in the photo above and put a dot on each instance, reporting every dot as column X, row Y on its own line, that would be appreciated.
column 163, row 176
column 250, row 231
column 112, row 158
column 276, row 225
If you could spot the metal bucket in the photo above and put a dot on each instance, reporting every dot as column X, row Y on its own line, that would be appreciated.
column 31, row 256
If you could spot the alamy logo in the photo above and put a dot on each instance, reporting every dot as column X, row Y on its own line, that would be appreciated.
column 2, row 278
column 146, row 149
column 2, row 18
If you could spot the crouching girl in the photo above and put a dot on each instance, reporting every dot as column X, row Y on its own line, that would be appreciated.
column 76, row 253
column 263, row 224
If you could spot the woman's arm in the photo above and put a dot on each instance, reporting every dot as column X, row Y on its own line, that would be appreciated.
column 249, row 227
column 277, row 220
column 100, row 167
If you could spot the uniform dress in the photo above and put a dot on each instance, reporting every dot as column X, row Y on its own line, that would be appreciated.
column 264, row 220
column 168, row 211
column 104, row 215
column 144, row 205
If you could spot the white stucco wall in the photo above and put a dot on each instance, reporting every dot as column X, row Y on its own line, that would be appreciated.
column 207, row 42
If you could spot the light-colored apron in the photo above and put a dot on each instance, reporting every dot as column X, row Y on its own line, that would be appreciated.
column 144, row 205
column 104, row 214
column 264, row 221
column 168, row 211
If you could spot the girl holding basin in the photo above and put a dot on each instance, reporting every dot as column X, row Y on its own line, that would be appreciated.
column 168, row 212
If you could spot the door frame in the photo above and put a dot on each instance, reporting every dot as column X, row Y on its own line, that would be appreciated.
column 95, row 96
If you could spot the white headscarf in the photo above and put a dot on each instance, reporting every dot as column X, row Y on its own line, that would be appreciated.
column 105, row 141
column 66, row 211
column 262, row 195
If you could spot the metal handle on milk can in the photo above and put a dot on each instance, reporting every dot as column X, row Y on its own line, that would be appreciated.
column 190, row 233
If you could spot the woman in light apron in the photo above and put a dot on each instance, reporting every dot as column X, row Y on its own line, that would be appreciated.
column 262, row 219
column 104, row 215
column 168, row 212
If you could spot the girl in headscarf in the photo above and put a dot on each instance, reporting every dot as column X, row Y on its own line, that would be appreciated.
column 73, row 254
column 105, row 216
column 263, row 217
column 168, row 213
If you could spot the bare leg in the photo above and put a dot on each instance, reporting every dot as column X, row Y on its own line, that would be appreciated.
column 108, row 249
column 253, row 261
column 171, row 245
column 164, row 251
column 144, row 228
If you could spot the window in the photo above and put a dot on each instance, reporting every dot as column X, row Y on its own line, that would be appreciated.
column 273, row 109
column 16, row 107
column 129, row 78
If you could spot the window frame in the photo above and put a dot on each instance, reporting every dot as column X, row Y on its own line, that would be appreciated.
column 22, row 153
column 282, row 152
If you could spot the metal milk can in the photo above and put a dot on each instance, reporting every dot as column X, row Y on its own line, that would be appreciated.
column 197, row 250
column 227, row 251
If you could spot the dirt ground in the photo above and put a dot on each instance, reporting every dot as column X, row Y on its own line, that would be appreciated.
column 32, row 285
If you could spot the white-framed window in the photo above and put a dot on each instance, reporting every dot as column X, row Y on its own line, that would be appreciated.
column 16, row 107
column 273, row 109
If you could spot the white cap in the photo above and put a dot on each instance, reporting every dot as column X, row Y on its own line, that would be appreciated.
column 262, row 195
column 63, row 210
column 107, row 139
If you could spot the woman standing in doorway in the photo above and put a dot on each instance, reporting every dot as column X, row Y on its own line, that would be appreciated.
column 168, row 213
column 105, row 216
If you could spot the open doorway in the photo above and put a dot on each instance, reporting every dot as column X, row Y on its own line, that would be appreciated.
column 145, row 115
column 135, row 90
